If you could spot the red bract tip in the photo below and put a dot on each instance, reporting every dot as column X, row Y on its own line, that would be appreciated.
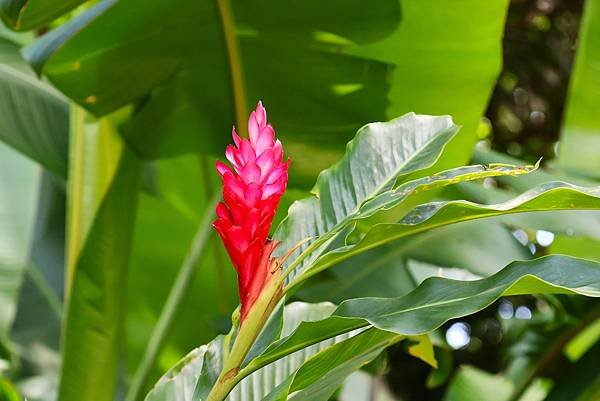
column 251, row 193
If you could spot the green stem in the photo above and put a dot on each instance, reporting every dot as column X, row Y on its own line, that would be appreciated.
column 74, row 194
column 247, row 334
column 235, row 64
column 178, row 291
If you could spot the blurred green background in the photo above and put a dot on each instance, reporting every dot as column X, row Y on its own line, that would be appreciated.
column 113, row 112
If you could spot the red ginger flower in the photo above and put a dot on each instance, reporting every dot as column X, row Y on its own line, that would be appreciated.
column 251, row 193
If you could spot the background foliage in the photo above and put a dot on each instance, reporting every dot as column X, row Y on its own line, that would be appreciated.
column 111, row 116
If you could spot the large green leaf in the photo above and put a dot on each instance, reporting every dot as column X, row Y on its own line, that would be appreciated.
column 313, row 373
column 361, row 185
column 188, row 95
column 580, row 137
column 551, row 196
column 34, row 117
column 345, row 63
column 438, row 300
column 19, row 189
column 179, row 383
column 455, row 55
column 434, row 302
column 383, row 272
column 374, row 160
column 23, row 15
column 292, row 371
column 102, row 196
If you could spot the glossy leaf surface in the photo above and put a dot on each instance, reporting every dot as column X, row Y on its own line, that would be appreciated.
column 435, row 301
column 34, row 117
column 104, row 181
column 347, row 61
column 551, row 196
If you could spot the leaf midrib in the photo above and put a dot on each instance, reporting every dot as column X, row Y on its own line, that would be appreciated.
column 38, row 83
column 352, row 252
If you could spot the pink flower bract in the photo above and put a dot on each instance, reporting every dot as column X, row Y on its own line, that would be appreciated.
column 251, row 194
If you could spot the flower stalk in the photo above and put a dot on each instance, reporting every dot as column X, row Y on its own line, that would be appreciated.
column 252, row 189
column 248, row 332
